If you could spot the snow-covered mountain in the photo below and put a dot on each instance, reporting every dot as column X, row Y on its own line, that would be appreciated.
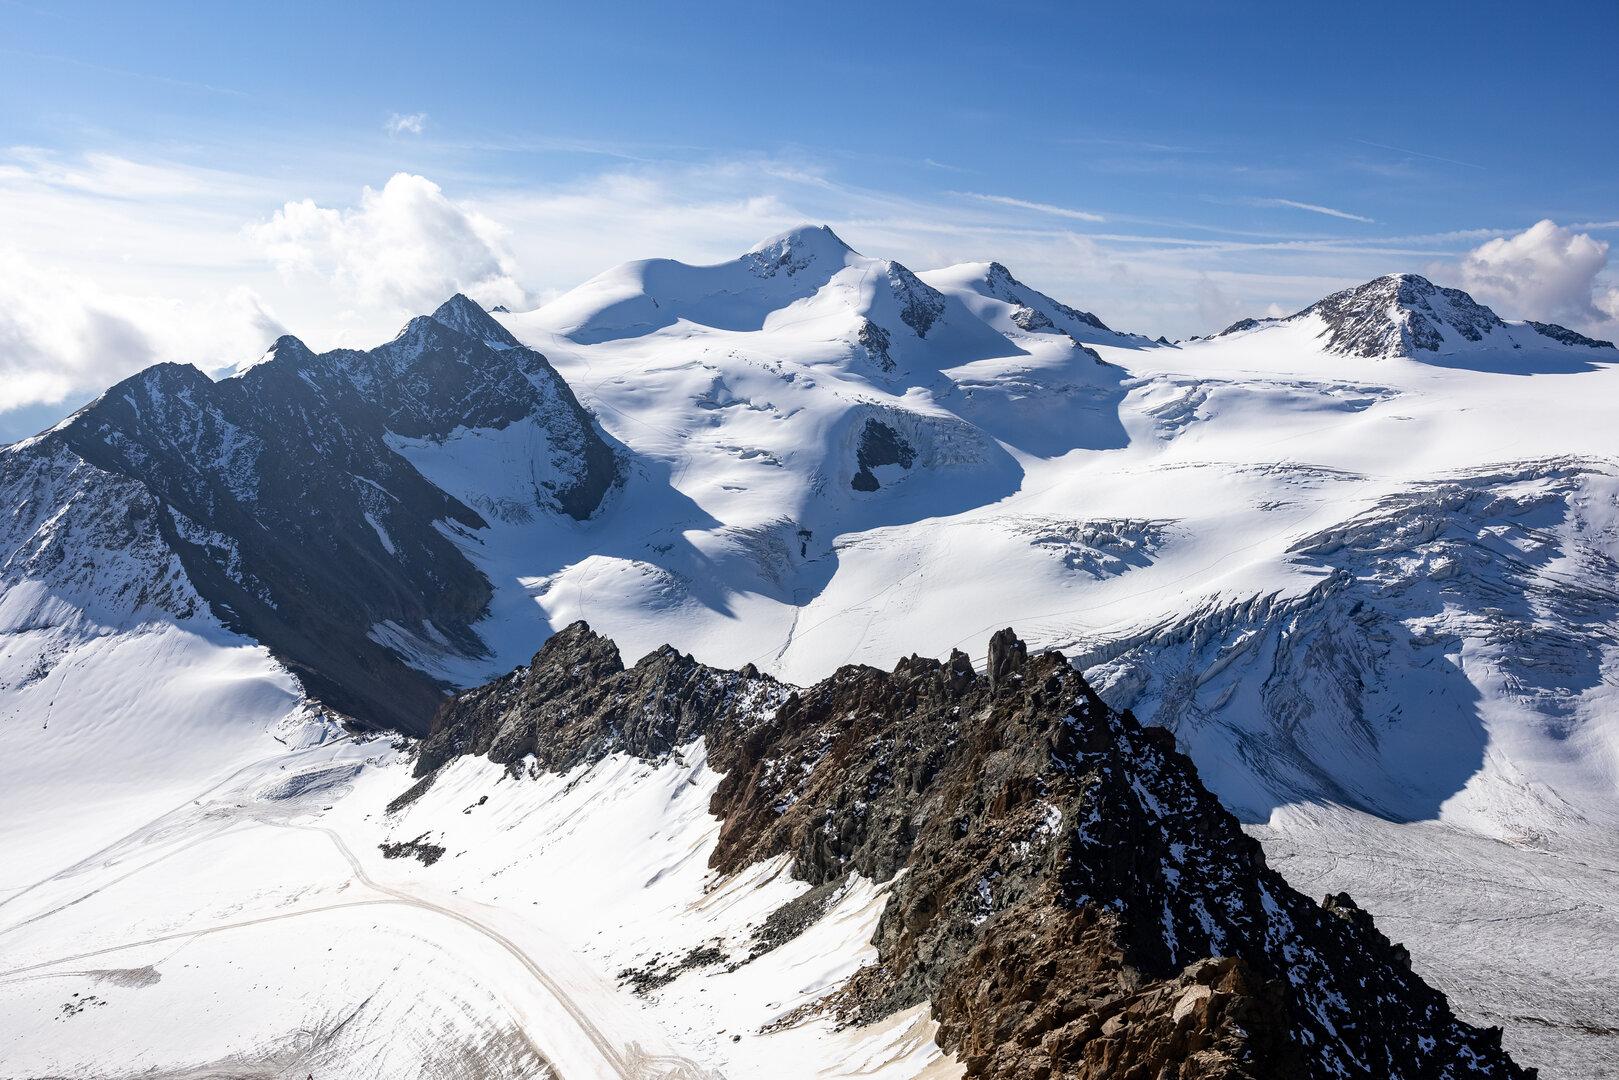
column 1404, row 315
column 283, row 499
column 1359, row 561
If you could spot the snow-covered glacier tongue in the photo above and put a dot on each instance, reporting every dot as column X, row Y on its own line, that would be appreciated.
column 1364, row 584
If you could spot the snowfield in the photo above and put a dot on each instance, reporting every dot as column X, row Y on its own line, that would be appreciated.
column 1376, row 597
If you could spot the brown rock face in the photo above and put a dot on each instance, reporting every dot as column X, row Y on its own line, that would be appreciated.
column 576, row 703
column 1073, row 902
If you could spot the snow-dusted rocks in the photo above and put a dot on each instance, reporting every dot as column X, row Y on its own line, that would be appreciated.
column 1406, row 315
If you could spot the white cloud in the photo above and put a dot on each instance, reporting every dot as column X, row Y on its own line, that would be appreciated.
column 407, row 245
column 127, row 257
column 64, row 335
column 406, row 123
column 1547, row 272
column 1216, row 308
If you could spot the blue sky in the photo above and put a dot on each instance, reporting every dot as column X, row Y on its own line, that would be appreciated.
column 1171, row 166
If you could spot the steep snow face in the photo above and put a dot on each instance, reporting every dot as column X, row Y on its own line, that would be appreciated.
column 119, row 691
column 1000, row 299
column 1454, row 646
column 1407, row 315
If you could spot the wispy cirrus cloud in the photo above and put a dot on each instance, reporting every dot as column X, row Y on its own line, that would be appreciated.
column 1313, row 208
column 1418, row 153
column 1036, row 207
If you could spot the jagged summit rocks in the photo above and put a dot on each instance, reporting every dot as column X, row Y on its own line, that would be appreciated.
column 463, row 314
column 796, row 250
column 1073, row 903
column 1401, row 314
column 1002, row 285
column 1406, row 315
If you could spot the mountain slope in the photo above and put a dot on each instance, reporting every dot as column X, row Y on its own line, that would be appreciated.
column 282, row 496
column 1053, row 851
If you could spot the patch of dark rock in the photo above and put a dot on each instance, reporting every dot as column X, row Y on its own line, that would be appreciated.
column 418, row 848
column 1569, row 337
column 880, row 445
column 576, row 703
column 412, row 793
column 920, row 304
column 77, row 1004
column 1032, row 320
column 796, row 916
column 659, row 972
column 874, row 339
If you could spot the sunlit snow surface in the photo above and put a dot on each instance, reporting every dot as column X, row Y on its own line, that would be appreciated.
column 1377, row 600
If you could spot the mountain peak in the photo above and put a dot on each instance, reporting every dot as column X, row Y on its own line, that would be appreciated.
column 1404, row 315
column 1391, row 316
column 287, row 349
column 1400, row 315
column 463, row 314
column 1002, row 285
column 796, row 249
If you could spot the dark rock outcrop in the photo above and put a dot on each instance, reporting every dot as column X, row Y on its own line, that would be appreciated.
column 1401, row 315
column 1073, row 902
column 920, row 304
column 1563, row 335
column 879, row 445
column 577, row 702
column 875, row 341
column 1037, row 311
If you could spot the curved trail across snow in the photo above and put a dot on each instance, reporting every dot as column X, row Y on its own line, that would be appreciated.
column 631, row 1062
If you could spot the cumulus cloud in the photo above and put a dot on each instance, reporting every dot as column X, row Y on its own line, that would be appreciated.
column 407, row 245
column 63, row 335
column 1547, row 272
column 406, row 123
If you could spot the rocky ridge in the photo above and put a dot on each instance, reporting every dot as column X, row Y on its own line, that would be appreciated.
column 1405, row 315
column 283, row 497
column 1064, row 891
